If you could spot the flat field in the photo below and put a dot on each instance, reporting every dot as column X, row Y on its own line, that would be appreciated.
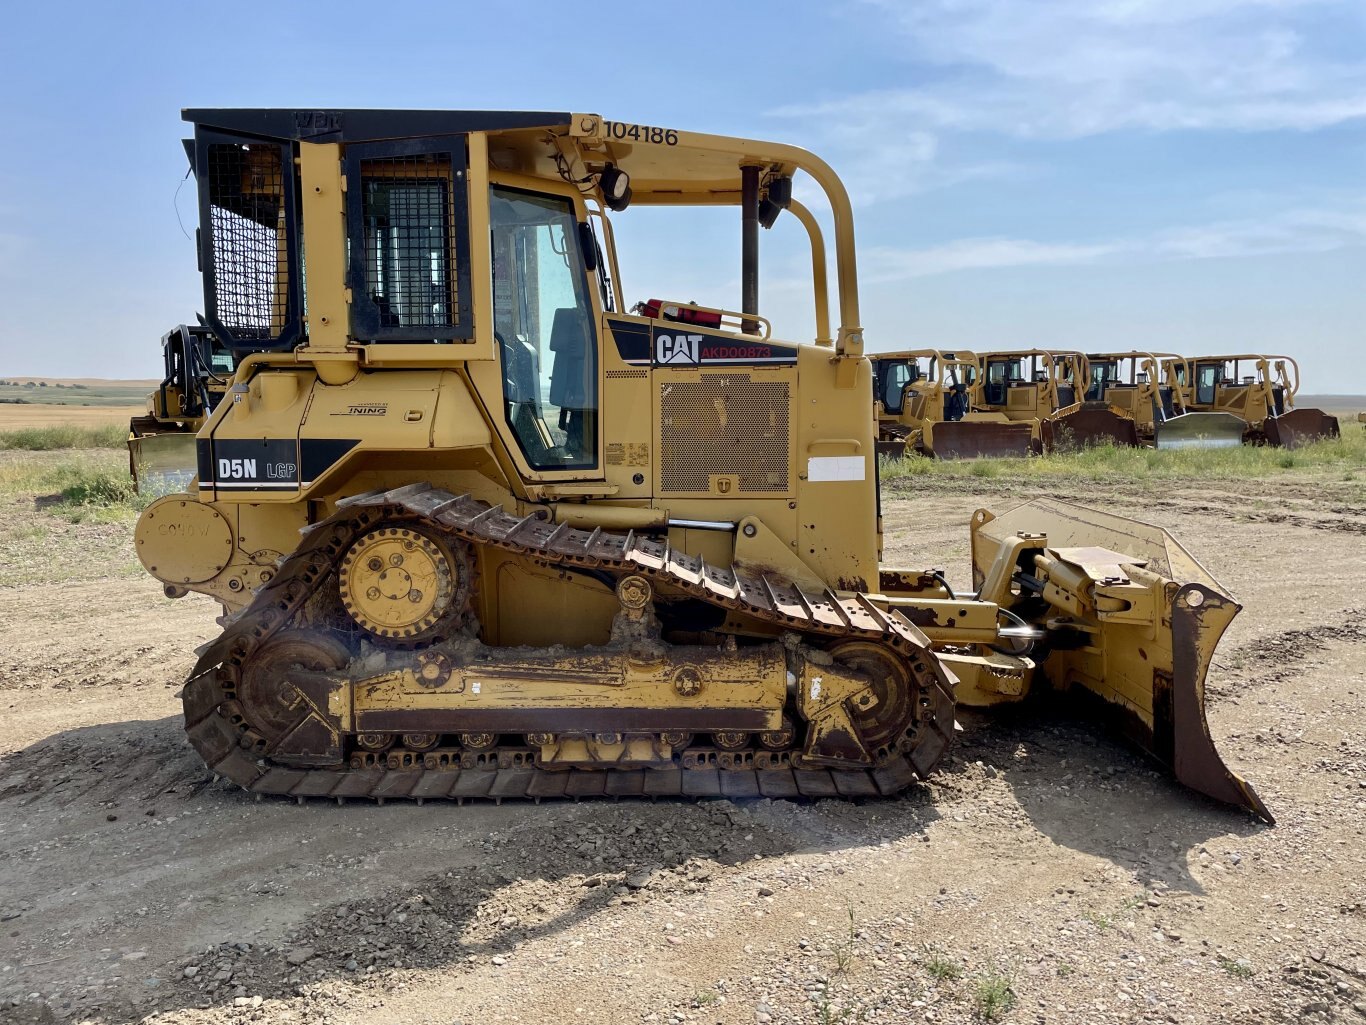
column 79, row 402
column 1046, row 874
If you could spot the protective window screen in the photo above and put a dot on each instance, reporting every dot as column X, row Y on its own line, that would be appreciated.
column 248, row 235
column 407, row 213
column 544, row 328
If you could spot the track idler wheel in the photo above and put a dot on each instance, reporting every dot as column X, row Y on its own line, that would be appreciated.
column 281, row 705
column 881, row 724
column 403, row 586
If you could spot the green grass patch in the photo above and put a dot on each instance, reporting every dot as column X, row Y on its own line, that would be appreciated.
column 46, row 439
column 1345, row 456
column 1238, row 969
column 95, row 494
column 66, row 516
column 993, row 996
column 942, row 968
column 80, row 488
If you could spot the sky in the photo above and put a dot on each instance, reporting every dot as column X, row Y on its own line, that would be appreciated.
column 1100, row 174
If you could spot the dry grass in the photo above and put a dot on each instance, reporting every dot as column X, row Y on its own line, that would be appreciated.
column 65, row 435
column 65, row 516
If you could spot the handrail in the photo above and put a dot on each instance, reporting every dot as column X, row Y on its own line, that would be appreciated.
column 672, row 308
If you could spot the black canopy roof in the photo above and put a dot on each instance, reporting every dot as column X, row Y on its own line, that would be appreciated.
column 366, row 125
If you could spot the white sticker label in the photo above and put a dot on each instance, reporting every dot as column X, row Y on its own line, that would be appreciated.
column 835, row 468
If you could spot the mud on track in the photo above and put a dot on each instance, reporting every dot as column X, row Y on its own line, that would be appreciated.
column 1046, row 860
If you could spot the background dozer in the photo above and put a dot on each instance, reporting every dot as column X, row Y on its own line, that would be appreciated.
column 1258, row 389
column 1137, row 383
column 1047, row 388
column 924, row 404
column 161, row 442
column 478, row 532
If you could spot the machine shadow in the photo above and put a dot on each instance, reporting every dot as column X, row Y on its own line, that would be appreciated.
column 1085, row 789
column 359, row 887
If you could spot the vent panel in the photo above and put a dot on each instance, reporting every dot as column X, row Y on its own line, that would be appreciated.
column 725, row 424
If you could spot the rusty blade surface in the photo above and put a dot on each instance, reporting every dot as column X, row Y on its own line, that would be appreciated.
column 1199, row 617
column 975, row 439
column 1297, row 427
column 1088, row 426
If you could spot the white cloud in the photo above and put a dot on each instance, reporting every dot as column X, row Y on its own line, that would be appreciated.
column 1069, row 68
column 1293, row 231
column 886, row 263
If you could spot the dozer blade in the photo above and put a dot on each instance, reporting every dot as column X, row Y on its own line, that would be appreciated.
column 1132, row 622
column 972, row 439
column 1086, row 425
column 1200, row 430
column 162, row 463
column 1297, row 427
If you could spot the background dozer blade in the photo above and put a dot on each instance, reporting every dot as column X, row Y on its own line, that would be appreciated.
column 1086, row 426
column 971, row 439
column 1201, row 430
column 162, row 463
column 1133, row 622
column 1296, row 427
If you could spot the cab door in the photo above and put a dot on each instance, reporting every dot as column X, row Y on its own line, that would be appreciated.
column 545, row 322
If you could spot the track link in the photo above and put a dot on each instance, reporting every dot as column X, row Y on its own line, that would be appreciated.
column 231, row 749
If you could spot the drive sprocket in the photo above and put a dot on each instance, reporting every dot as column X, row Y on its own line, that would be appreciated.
column 404, row 586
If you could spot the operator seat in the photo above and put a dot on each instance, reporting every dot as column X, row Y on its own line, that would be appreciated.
column 572, row 380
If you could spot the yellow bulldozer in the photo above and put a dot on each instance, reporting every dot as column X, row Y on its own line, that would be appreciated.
column 924, row 405
column 478, row 532
column 161, row 442
column 1047, row 388
column 1259, row 390
column 1145, row 386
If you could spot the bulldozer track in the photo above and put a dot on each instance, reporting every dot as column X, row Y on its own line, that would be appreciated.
column 231, row 749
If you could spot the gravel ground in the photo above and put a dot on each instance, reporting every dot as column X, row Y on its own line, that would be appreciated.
column 1048, row 874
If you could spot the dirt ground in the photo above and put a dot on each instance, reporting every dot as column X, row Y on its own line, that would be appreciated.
column 1047, row 874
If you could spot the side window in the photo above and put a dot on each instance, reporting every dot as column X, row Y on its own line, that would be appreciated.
column 898, row 376
column 544, row 327
column 999, row 373
column 1206, row 377
column 1103, row 377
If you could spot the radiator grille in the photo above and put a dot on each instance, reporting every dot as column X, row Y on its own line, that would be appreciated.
column 626, row 373
column 724, row 424
column 406, row 207
column 247, row 225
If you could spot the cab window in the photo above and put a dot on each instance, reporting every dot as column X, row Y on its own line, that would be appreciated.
column 1206, row 379
column 544, row 327
column 894, row 382
column 1103, row 377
